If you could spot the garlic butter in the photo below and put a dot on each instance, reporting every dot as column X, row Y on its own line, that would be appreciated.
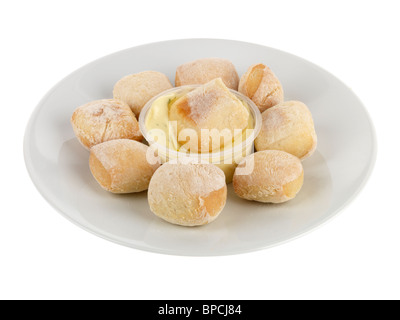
column 157, row 118
column 154, row 118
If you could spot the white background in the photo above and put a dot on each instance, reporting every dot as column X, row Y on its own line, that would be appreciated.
column 355, row 256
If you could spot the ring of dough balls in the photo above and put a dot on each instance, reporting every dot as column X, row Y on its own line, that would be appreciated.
column 103, row 120
column 204, row 70
column 275, row 176
column 262, row 86
column 289, row 127
column 121, row 166
column 137, row 89
column 187, row 194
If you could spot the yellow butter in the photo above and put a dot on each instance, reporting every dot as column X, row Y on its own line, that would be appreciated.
column 157, row 118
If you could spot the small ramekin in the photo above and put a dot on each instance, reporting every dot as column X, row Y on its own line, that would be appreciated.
column 226, row 159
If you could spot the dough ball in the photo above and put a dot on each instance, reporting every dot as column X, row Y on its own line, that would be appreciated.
column 288, row 127
column 273, row 176
column 137, row 89
column 211, row 106
column 261, row 85
column 187, row 194
column 121, row 166
column 204, row 70
column 103, row 120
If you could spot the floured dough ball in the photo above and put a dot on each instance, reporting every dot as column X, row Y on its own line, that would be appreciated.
column 213, row 107
column 187, row 194
column 137, row 89
column 262, row 86
column 103, row 120
column 273, row 176
column 122, row 166
column 204, row 70
column 288, row 127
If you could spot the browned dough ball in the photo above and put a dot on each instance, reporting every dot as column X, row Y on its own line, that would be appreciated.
column 274, row 176
column 204, row 70
column 288, row 127
column 210, row 106
column 262, row 86
column 136, row 89
column 103, row 120
column 187, row 194
column 122, row 166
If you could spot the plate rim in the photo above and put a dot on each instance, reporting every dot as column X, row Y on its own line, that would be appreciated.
column 316, row 226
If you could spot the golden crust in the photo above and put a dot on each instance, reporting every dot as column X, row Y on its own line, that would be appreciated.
column 103, row 120
column 204, row 70
column 262, row 86
column 121, row 166
column 288, row 127
column 137, row 89
column 187, row 194
column 214, row 202
column 276, row 177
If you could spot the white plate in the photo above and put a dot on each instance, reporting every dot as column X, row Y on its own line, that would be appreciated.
column 58, row 165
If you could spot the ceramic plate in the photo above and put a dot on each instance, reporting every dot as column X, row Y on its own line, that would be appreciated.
column 337, row 171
